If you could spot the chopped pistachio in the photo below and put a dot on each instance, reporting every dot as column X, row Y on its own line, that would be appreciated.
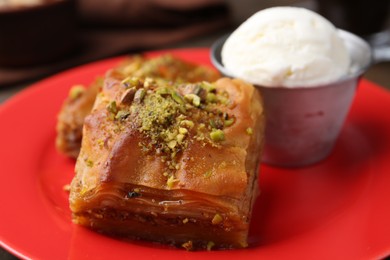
column 210, row 245
column 130, row 81
column 128, row 96
column 249, row 131
column 171, row 181
column 187, row 123
column 139, row 95
column 111, row 107
column 164, row 118
column 212, row 123
column 170, row 135
column 223, row 100
column 148, row 82
column 183, row 130
column 122, row 114
column 177, row 97
column 201, row 126
column 216, row 219
column 180, row 138
column 163, row 91
column 200, row 138
column 181, row 117
column 208, row 86
column 211, row 98
column 76, row 91
column 195, row 99
column 229, row 122
column 172, row 144
column 217, row 135
column 137, row 190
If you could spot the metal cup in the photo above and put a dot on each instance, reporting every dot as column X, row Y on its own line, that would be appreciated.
column 303, row 123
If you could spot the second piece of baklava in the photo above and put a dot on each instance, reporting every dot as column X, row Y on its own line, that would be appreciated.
column 80, row 100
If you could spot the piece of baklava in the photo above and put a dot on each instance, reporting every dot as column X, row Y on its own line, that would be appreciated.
column 80, row 100
column 175, row 163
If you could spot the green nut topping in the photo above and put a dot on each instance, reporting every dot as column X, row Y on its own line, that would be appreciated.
column 111, row 107
column 170, row 116
column 187, row 123
column 76, row 91
column 128, row 96
column 229, row 122
column 163, row 91
column 177, row 97
column 172, row 144
column 211, row 98
column 171, row 181
column 122, row 114
column 139, row 95
column 183, row 130
column 130, row 81
column 180, row 138
column 193, row 98
column 217, row 135
column 208, row 86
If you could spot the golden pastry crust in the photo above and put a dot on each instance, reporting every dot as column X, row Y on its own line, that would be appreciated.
column 80, row 100
column 172, row 163
column 71, row 118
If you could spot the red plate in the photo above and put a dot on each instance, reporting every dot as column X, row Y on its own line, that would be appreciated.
column 336, row 209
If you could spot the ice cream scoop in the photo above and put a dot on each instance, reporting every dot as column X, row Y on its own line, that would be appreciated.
column 307, row 78
column 286, row 46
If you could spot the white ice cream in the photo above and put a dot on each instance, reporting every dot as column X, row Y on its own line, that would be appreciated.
column 286, row 47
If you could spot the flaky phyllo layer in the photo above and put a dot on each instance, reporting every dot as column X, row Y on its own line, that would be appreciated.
column 171, row 162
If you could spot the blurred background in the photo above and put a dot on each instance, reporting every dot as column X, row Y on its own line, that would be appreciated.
column 41, row 37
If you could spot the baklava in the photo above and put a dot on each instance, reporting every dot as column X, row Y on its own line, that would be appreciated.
column 170, row 162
